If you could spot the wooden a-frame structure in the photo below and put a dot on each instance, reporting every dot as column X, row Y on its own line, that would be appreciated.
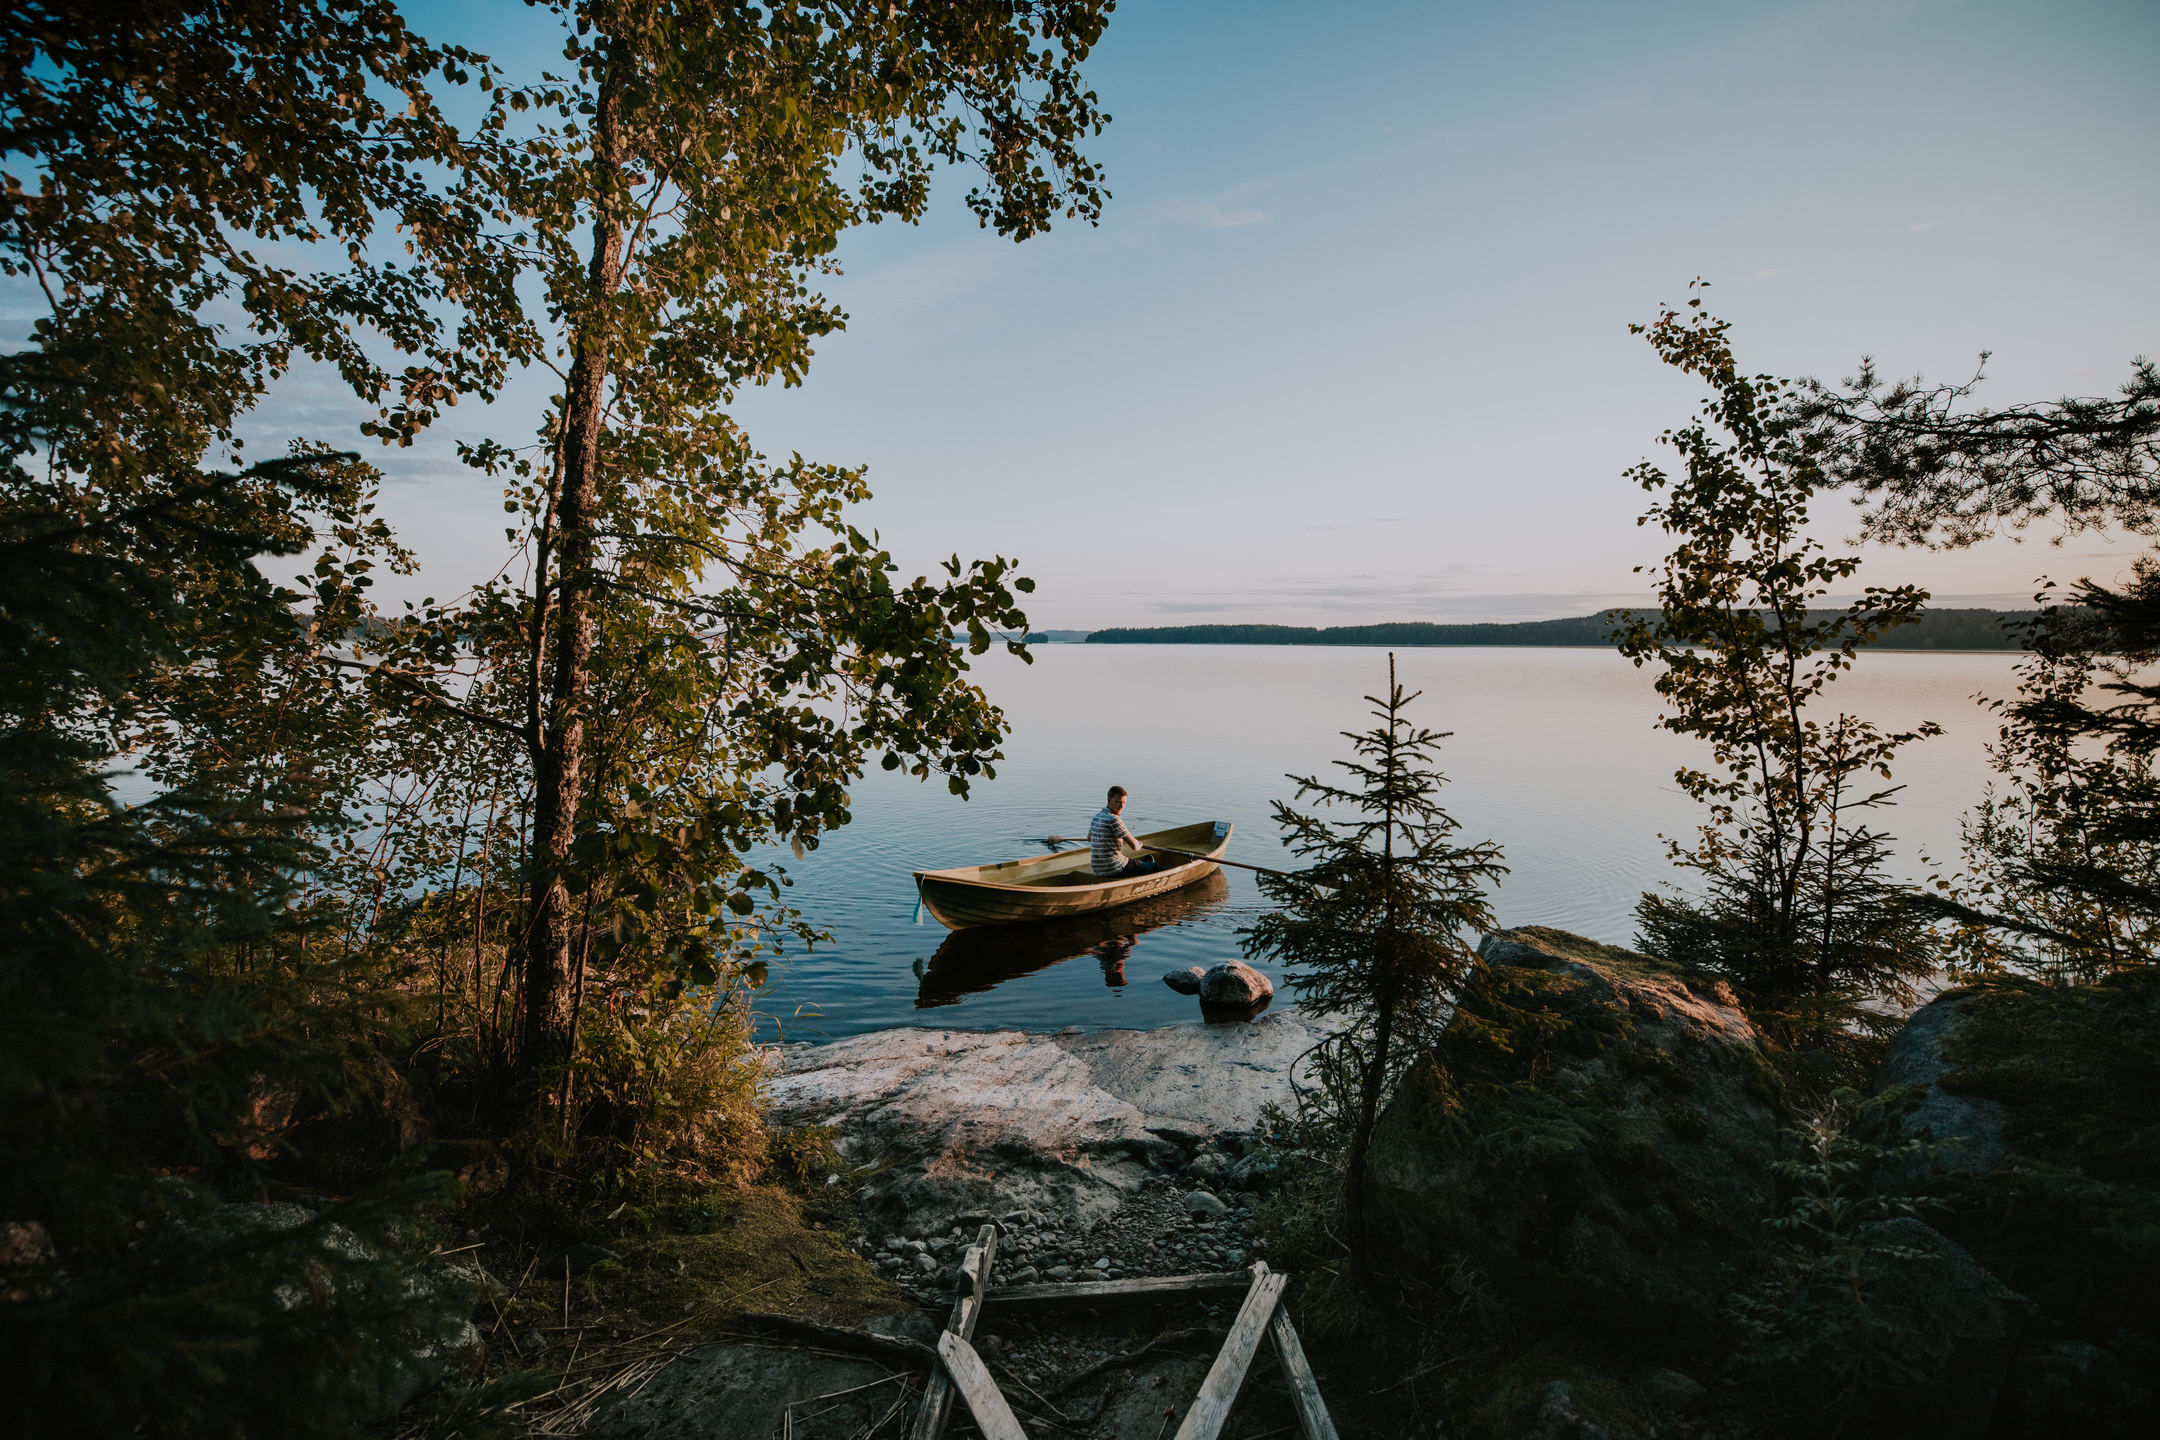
column 1260, row 1316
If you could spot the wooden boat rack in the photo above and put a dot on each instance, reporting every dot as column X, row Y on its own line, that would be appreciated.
column 1260, row 1316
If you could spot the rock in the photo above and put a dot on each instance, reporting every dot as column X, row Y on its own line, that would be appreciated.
column 904, row 1325
column 742, row 1392
column 1939, row 1328
column 1234, row 985
column 1963, row 1132
column 1671, row 1391
column 1209, row 1165
column 929, row 1264
column 1609, row 1169
column 1559, row 1419
column 1186, row 981
column 1201, row 1205
column 1066, row 1125
column 2073, row 1387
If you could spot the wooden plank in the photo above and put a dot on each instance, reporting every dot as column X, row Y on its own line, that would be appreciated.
column 1312, row 1417
column 1211, row 1407
column 1143, row 1289
column 936, row 1407
column 992, row 1415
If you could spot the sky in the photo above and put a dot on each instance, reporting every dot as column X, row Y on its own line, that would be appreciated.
column 1351, row 341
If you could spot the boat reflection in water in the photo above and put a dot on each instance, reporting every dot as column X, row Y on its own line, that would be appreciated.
column 973, row 961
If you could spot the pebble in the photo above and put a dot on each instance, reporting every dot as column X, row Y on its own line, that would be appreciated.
column 1163, row 1228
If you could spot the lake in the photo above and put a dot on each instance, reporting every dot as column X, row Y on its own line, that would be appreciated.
column 1555, row 755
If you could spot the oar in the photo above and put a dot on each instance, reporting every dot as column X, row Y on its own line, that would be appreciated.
column 1188, row 854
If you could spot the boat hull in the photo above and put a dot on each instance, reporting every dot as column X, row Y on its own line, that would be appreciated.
column 1047, row 887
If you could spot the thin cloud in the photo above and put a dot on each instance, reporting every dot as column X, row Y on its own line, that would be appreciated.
column 1766, row 274
column 1923, row 225
column 1206, row 215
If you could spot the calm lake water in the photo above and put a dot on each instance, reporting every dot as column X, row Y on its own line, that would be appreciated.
column 1555, row 755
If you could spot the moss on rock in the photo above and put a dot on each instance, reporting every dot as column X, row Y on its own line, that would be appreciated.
column 1592, row 1135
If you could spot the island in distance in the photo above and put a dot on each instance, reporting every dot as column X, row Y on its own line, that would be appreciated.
column 1935, row 630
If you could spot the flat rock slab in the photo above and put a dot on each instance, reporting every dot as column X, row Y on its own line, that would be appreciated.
column 961, row 1120
column 752, row 1392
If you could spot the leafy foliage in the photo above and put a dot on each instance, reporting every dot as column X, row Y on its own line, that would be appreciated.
column 697, row 653
column 1376, row 925
column 1936, row 474
column 1825, row 1328
column 1797, row 914
column 2062, row 856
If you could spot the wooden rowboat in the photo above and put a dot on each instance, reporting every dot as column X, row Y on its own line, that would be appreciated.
column 979, row 959
column 1043, row 887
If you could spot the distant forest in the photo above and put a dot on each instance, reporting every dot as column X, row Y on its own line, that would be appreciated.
column 1935, row 630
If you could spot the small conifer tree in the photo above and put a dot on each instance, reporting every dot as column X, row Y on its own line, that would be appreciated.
column 1378, row 928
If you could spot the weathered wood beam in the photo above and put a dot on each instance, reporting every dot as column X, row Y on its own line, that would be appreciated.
column 1140, row 1290
column 1312, row 1417
column 1219, row 1391
column 936, row 1407
column 992, row 1415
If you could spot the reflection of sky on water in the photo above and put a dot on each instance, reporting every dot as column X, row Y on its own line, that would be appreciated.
column 1555, row 754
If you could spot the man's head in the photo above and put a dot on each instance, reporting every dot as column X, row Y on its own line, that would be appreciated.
column 1117, row 798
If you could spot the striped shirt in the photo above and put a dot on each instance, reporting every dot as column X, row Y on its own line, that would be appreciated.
column 1104, row 833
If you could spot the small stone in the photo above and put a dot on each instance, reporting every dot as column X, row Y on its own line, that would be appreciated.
column 1186, row 981
column 1103, row 1264
column 1023, row 1275
column 1060, row 1272
column 1234, row 985
column 1201, row 1205
column 928, row 1264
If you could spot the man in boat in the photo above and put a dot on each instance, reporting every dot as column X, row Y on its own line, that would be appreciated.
column 1108, row 836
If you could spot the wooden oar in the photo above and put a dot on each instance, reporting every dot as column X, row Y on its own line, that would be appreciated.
column 1188, row 854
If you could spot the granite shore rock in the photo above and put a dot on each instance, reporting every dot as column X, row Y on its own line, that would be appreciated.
column 1100, row 1154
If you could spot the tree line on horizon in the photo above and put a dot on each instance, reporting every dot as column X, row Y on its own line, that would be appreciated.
column 1949, row 629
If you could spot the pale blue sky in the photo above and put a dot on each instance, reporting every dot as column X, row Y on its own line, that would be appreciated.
column 1351, row 342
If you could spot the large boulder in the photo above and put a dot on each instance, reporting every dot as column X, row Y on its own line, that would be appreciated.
column 2028, row 1114
column 953, row 1122
column 1591, row 1135
column 1911, row 1319
column 1958, row 1134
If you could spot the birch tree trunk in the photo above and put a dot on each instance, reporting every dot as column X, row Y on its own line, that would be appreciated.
column 551, row 955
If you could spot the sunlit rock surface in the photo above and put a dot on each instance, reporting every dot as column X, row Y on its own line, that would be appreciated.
column 1599, row 1146
column 943, row 1123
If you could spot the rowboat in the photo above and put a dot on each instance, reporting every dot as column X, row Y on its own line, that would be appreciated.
column 975, row 961
column 1044, row 887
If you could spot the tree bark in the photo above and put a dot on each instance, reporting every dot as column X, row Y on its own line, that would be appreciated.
column 551, row 956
